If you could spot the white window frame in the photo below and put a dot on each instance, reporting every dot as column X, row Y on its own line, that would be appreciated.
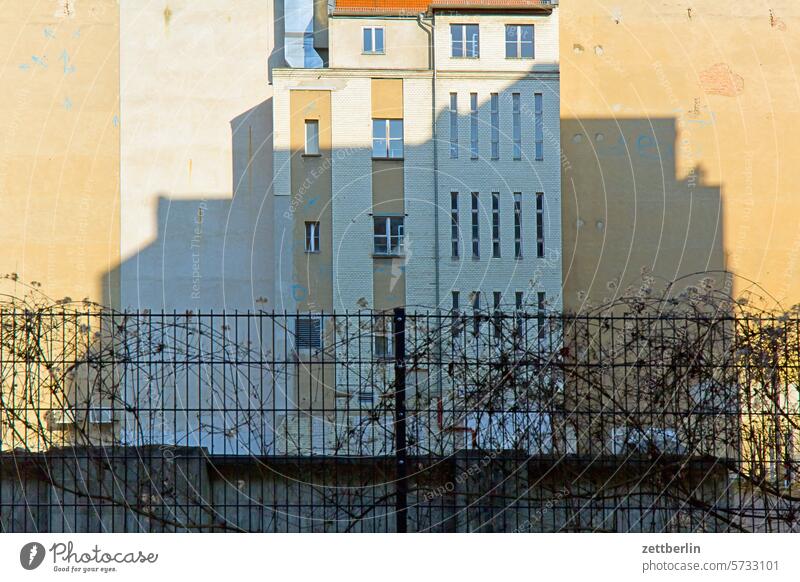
column 516, row 121
column 496, row 246
column 518, row 43
column 463, row 41
column 312, row 239
column 391, row 251
column 473, row 126
column 495, row 106
column 538, row 100
column 312, row 140
column 373, row 36
column 454, row 126
column 388, row 139
column 385, row 331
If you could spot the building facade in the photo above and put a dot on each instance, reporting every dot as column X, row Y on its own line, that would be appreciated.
column 421, row 168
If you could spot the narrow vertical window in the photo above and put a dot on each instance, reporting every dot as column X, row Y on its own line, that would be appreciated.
column 473, row 125
column 518, row 300
column 312, row 237
column 312, row 137
column 517, row 225
column 516, row 119
column 476, row 309
column 540, row 313
column 455, row 235
column 539, row 127
column 495, row 105
column 497, row 299
column 496, row 224
column 518, row 305
column 539, row 225
column 476, row 246
column 456, row 299
column 454, row 125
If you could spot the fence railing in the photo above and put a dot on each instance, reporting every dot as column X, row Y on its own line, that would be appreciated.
column 396, row 421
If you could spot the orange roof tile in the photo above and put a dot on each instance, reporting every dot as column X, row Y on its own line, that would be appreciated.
column 417, row 6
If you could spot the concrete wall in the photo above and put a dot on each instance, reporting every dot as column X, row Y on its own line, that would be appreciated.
column 59, row 146
column 405, row 42
column 196, row 154
column 677, row 133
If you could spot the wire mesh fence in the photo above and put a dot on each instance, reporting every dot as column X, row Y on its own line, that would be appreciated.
column 396, row 421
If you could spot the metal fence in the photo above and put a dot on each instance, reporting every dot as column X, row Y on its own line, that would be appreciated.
column 395, row 421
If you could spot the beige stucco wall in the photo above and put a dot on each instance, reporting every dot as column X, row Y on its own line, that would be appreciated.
column 406, row 44
column 59, row 145
column 713, row 82
column 196, row 154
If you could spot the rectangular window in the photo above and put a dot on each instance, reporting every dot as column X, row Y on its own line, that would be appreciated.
column 518, row 305
column 496, row 224
column 476, row 239
column 516, row 119
column 382, row 337
column 495, row 104
column 539, row 225
column 456, row 300
column 519, row 41
column 497, row 299
column 473, row 125
column 312, row 137
column 308, row 333
column 540, row 313
column 476, row 309
column 455, row 235
column 518, row 300
column 464, row 38
column 387, row 138
column 373, row 40
column 517, row 225
column 454, row 125
column 388, row 235
column 312, row 237
column 539, row 127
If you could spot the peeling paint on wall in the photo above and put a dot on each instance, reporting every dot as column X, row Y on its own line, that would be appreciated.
column 721, row 80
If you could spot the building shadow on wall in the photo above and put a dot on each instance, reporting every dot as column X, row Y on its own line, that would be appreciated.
column 210, row 252
column 625, row 210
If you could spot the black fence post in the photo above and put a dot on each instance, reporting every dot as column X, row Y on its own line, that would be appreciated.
column 401, row 509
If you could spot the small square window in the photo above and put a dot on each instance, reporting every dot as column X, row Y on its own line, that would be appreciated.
column 308, row 333
column 373, row 40
column 387, row 138
column 312, row 237
column 389, row 235
column 312, row 137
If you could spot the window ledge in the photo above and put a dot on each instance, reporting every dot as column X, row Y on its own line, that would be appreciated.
column 373, row 53
column 312, row 252
column 387, row 256
column 388, row 159
column 311, row 155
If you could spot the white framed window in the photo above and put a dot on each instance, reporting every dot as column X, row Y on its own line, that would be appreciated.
column 516, row 120
column 465, row 41
column 387, row 138
column 312, row 237
column 454, row 126
column 496, row 225
column 517, row 225
column 389, row 235
column 476, row 234
column 373, row 37
column 308, row 332
column 495, row 106
column 455, row 234
column 519, row 41
column 312, row 137
column 538, row 126
column 473, row 125
column 540, row 224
